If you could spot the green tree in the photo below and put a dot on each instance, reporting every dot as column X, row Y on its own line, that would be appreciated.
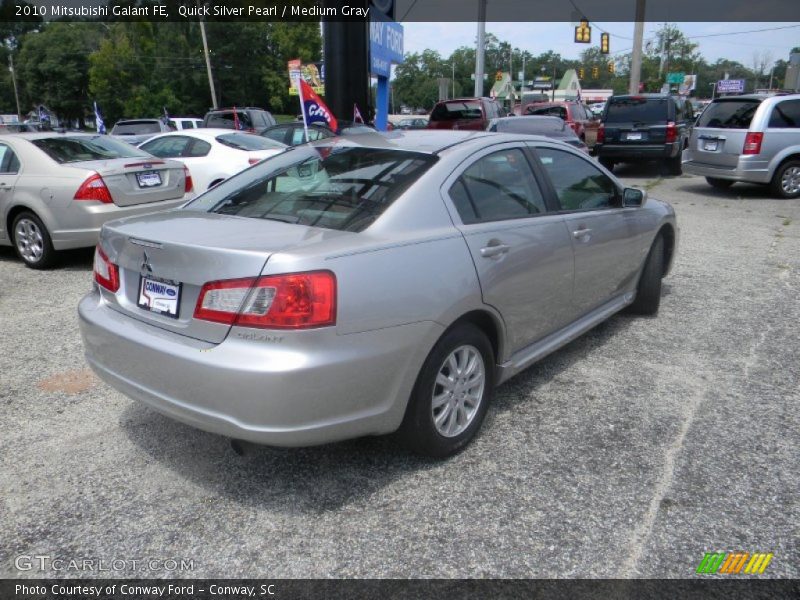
column 53, row 66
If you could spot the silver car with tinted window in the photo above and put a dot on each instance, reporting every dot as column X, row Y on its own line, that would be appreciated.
column 752, row 138
column 360, row 286
column 57, row 190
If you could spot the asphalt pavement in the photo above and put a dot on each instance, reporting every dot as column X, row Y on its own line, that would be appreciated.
column 629, row 453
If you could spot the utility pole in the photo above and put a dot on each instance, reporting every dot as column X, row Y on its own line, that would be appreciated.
column 208, row 63
column 14, row 81
column 479, row 51
column 636, row 55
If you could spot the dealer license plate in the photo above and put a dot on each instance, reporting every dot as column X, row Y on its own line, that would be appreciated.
column 163, row 297
column 148, row 179
column 710, row 146
column 634, row 136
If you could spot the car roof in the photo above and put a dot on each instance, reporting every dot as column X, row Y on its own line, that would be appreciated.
column 429, row 141
column 38, row 135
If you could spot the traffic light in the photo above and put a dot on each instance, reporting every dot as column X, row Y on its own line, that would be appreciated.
column 595, row 72
column 611, row 67
column 604, row 46
column 581, row 73
column 583, row 33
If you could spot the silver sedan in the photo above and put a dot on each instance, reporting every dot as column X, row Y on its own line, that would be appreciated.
column 57, row 190
column 365, row 285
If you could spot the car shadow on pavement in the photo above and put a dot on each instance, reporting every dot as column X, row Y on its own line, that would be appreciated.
column 66, row 260
column 325, row 478
column 738, row 191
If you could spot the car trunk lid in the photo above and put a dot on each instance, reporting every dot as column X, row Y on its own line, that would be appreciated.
column 182, row 252
column 133, row 181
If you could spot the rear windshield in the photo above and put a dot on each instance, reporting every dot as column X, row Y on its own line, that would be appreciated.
column 637, row 109
column 321, row 186
column 454, row 111
column 535, row 126
column 729, row 114
column 248, row 141
column 553, row 111
column 225, row 120
column 136, row 128
column 64, row 149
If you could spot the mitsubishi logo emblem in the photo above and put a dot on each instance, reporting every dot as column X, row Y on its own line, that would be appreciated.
column 146, row 268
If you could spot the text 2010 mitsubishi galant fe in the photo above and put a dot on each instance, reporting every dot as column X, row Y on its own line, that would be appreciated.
column 365, row 285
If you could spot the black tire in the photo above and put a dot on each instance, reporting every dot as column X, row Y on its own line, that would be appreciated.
column 648, row 292
column 674, row 166
column 786, row 181
column 720, row 184
column 32, row 241
column 607, row 163
column 419, row 432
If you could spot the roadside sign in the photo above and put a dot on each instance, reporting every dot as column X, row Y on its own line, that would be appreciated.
column 730, row 86
column 675, row 78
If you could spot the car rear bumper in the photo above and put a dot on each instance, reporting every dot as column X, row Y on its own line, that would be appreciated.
column 637, row 151
column 737, row 173
column 255, row 385
column 86, row 218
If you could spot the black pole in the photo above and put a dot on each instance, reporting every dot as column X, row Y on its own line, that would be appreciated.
column 346, row 46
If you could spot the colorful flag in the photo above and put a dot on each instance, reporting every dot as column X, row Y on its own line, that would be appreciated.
column 357, row 118
column 314, row 109
column 101, row 126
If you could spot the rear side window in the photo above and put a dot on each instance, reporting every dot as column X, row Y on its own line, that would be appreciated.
column 136, row 128
column 167, row 147
column 579, row 184
column 65, row 149
column 786, row 115
column 278, row 134
column 345, row 189
column 455, row 111
column 729, row 114
column 497, row 187
column 197, row 148
column 637, row 109
column 9, row 163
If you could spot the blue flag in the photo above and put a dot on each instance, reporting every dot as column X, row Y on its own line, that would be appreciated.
column 101, row 126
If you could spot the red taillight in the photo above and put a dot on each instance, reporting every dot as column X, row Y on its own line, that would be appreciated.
column 292, row 301
column 752, row 143
column 601, row 134
column 106, row 273
column 94, row 188
column 188, row 183
column 672, row 132
column 253, row 161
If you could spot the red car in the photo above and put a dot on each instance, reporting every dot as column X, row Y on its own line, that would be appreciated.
column 574, row 113
column 464, row 113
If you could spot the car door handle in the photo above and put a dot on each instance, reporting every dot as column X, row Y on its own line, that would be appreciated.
column 494, row 250
column 581, row 233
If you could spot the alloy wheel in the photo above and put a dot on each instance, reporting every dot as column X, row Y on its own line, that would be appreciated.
column 458, row 391
column 29, row 240
column 790, row 180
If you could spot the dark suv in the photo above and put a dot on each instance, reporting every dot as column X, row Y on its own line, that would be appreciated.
column 464, row 113
column 644, row 127
column 250, row 119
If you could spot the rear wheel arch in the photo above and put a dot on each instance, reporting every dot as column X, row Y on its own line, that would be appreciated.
column 12, row 214
column 487, row 322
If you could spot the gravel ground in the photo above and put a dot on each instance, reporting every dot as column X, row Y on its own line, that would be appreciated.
column 629, row 453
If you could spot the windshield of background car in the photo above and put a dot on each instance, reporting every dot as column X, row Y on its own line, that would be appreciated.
column 64, row 149
column 248, row 142
column 637, row 109
column 136, row 128
column 344, row 188
column 456, row 111
column 225, row 120
column 729, row 114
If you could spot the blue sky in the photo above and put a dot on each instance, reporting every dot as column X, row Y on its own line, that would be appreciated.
column 540, row 37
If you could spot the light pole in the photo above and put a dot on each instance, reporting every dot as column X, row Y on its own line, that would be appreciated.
column 14, row 81
column 713, row 89
column 453, row 64
column 479, row 51
column 208, row 62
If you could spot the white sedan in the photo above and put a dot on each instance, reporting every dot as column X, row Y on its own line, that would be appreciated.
column 212, row 155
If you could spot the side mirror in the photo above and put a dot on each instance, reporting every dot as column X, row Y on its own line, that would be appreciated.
column 633, row 197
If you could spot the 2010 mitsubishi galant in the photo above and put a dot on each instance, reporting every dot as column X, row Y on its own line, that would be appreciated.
column 364, row 285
